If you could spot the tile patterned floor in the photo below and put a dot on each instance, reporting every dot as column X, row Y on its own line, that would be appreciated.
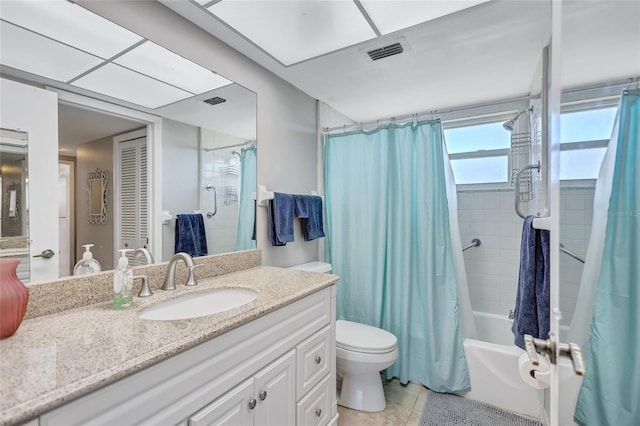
column 404, row 407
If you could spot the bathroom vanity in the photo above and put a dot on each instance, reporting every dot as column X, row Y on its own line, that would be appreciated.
column 270, row 362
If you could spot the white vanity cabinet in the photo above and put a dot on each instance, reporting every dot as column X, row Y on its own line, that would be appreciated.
column 282, row 364
column 265, row 399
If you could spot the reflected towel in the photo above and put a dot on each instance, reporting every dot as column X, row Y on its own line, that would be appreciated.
column 280, row 212
column 190, row 235
column 531, row 314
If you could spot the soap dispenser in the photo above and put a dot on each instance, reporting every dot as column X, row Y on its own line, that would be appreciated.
column 123, row 282
column 87, row 265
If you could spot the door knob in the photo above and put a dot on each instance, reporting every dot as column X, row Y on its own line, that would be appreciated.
column 252, row 404
column 262, row 395
column 47, row 254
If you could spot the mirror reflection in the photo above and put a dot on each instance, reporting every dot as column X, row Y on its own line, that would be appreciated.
column 127, row 109
column 14, row 214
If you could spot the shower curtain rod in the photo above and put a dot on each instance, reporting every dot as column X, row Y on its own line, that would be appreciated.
column 437, row 112
column 434, row 114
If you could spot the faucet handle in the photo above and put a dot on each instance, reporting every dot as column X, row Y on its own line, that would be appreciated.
column 145, row 290
column 191, row 280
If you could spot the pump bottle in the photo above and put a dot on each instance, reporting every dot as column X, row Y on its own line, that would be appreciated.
column 87, row 265
column 123, row 282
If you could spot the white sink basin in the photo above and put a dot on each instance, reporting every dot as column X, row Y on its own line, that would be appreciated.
column 198, row 304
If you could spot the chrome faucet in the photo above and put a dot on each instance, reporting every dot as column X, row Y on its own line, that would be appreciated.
column 170, row 277
column 142, row 252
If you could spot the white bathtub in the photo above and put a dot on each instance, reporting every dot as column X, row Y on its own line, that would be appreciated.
column 493, row 368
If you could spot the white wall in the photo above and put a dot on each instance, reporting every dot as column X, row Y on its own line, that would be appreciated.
column 492, row 268
column 286, row 116
column 35, row 111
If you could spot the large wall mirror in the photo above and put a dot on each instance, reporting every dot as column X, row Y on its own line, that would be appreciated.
column 120, row 84
column 14, row 214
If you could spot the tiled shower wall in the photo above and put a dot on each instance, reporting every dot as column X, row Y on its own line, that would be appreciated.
column 492, row 268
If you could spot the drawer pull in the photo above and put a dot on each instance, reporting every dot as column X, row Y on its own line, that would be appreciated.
column 318, row 412
column 262, row 395
column 318, row 359
column 252, row 404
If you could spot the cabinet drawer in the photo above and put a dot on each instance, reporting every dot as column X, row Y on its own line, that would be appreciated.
column 313, row 360
column 315, row 408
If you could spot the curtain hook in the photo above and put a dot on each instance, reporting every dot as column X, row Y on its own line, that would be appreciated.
column 415, row 120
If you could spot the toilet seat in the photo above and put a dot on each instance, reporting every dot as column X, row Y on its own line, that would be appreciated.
column 353, row 336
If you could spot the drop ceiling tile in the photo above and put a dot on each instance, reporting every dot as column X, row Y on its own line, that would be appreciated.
column 33, row 53
column 122, row 83
column 70, row 24
column 295, row 30
column 394, row 15
column 156, row 61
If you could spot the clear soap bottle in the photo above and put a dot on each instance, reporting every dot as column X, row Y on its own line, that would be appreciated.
column 87, row 265
column 123, row 282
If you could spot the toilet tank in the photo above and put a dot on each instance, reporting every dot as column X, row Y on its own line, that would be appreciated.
column 313, row 267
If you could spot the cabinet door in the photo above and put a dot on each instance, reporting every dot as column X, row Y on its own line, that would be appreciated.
column 231, row 409
column 275, row 392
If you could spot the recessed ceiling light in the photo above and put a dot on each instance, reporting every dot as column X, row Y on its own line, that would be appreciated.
column 390, row 16
column 71, row 24
column 122, row 83
column 33, row 53
column 162, row 64
column 293, row 31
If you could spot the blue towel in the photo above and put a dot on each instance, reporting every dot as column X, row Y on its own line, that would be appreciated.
column 531, row 314
column 190, row 235
column 301, row 206
column 280, row 212
column 309, row 210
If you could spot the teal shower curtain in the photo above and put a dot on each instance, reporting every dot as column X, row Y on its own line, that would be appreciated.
column 610, row 393
column 388, row 238
column 246, row 205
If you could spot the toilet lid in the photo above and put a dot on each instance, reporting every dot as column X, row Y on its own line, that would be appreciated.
column 363, row 338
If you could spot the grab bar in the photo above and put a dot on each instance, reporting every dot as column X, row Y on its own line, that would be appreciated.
column 570, row 254
column 215, row 201
column 474, row 243
column 517, row 185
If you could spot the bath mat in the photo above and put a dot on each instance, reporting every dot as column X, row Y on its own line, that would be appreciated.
column 445, row 409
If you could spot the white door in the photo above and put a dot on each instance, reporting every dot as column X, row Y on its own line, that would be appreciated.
column 35, row 111
column 132, row 200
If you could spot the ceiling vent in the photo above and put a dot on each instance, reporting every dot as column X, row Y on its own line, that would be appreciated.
column 385, row 52
column 214, row 101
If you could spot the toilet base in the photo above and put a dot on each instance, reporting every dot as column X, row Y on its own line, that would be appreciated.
column 362, row 392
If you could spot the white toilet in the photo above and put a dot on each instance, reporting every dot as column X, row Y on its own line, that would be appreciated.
column 362, row 351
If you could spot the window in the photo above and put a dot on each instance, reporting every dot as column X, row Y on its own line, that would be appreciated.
column 584, row 136
column 479, row 153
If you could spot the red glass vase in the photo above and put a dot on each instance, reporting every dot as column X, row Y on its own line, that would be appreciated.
column 13, row 297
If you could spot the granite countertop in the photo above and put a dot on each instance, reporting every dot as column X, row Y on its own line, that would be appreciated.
column 53, row 359
column 13, row 252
